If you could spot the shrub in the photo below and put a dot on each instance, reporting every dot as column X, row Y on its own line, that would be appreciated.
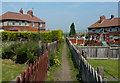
column 28, row 51
column 21, row 52
column 9, row 52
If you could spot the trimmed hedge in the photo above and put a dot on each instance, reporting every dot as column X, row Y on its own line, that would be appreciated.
column 46, row 37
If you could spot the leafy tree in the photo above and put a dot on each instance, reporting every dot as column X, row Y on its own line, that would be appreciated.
column 72, row 30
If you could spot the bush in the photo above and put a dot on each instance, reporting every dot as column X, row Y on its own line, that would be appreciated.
column 21, row 52
column 9, row 52
column 28, row 51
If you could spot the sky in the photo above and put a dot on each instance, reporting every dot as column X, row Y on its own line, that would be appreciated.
column 60, row 15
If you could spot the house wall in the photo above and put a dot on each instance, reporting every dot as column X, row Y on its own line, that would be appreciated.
column 108, row 29
column 0, row 24
column 36, row 24
column 21, row 24
column 108, row 33
column 42, row 25
column 15, row 23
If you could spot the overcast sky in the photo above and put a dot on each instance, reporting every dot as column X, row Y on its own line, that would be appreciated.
column 60, row 15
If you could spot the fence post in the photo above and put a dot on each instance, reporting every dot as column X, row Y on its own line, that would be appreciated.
column 100, row 71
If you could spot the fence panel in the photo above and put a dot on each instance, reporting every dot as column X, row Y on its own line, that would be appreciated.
column 100, row 51
column 87, row 72
column 36, row 71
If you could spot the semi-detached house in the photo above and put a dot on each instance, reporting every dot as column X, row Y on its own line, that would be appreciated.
column 12, row 21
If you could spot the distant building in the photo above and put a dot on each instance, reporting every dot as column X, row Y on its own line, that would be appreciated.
column 82, row 35
column 11, row 21
column 105, row 29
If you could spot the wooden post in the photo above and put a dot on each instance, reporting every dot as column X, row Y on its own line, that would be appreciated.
column 100, row 71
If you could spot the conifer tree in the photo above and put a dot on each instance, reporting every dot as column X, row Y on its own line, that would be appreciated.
column 72, row 30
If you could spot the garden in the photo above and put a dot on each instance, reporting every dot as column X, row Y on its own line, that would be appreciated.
column 19, row 49
column 111, row 69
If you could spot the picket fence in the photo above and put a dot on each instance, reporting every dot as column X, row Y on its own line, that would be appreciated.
column 87, row 73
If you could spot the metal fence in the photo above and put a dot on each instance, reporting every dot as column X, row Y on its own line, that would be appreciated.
column 87, row 72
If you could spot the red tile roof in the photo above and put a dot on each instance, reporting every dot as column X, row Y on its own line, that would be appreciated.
column 19, row 16
column 106, row 23
column 79, row 34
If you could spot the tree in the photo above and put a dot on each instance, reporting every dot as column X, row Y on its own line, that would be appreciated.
column 72, row 30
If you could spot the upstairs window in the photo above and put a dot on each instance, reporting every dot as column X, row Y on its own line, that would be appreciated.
column 26, row 23
column 13, row 23
column 117, row 29
column 20, row 23
column 33, row 24
column 110, row 29
column 40, row 24
column 94, row 30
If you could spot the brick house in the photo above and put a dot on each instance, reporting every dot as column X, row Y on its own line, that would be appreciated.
column 105, row 29
column 12, row 21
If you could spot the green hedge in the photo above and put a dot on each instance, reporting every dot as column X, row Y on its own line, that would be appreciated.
column 46, row 37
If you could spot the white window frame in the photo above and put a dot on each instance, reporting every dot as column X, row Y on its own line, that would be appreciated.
column 19, row 23
column 40, row 24
column 14, row 22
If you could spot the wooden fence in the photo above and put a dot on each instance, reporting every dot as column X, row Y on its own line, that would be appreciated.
column 100, row 52
column 37, row 71
column 87, row 72
column 53, row 46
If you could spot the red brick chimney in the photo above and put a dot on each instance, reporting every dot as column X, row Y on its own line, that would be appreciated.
column 30, row 12
column 21, row 11
column 102, row 18
column 112, row 16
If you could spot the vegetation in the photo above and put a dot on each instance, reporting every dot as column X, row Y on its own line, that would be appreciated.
column 10, row 70
column 110, row 67
column 66, row 35
column 45, row 37
column 27, row 49
column 21, row 52
column 75, row 72
column 72, row 30
column 55, row 66
column 22, row 47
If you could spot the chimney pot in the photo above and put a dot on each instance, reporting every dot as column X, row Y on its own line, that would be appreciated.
column 102, row 18
column 112, row 16
column 30, row 12
column 21, row 11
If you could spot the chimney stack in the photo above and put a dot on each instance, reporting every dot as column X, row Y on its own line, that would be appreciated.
column 102, row 18
column 30, row 12
column 21, row 11
column 112, row 16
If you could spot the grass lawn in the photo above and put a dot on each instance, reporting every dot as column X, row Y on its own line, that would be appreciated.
column 75, row 71
column 10, row 70
column 55, row 68
column 110, row 67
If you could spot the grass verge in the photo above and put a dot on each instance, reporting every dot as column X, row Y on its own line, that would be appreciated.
column 75, row 71
column 10, row 70
column 54, row 68
column 110, row 67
